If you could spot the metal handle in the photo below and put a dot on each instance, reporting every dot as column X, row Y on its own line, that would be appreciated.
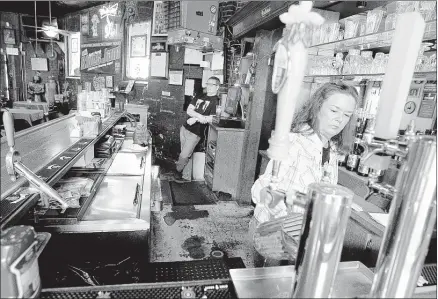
column 40, row 184
column 8, row 122
column 137, row 192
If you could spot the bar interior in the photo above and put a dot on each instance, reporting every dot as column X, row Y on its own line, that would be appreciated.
column 218, row 149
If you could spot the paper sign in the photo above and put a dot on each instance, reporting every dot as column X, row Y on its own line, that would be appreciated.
column 11, row 51
column 159, row 64
column 427, row 105
column 205, row 64
column 192, row 56
column 189, row 87
column 217, row 62
column 165, row 93
column 175, row 77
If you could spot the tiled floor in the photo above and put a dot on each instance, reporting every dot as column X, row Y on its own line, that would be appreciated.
column 183, row 233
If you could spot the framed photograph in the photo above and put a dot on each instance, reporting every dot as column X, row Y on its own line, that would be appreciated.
column 9, row 36
column 176, row 77
column 138, row 45
column 158, row 21
column 74, row 45
column 39, row 64
column 158, row 47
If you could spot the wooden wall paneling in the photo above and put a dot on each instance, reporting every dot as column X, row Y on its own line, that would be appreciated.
column 14, row 72
column 270, row 106
column 264, row 42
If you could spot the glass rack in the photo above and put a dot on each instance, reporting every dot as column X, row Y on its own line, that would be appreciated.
column 373, row 40
column 359, row 77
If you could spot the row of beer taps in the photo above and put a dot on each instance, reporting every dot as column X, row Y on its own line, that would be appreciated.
column 412, row 213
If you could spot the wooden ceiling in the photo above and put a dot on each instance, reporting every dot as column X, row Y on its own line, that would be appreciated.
column 58, row 8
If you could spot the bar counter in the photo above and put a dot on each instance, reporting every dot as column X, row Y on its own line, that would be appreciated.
column 112, row 235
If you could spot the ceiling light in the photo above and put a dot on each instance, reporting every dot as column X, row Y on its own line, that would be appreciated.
column 361, row 4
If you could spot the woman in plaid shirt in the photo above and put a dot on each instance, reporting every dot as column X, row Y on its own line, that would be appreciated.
column 319, row 130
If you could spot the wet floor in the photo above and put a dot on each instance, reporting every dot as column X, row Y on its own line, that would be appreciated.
column 183, row 233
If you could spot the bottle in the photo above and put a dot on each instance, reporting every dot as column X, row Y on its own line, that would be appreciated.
column 353, row 156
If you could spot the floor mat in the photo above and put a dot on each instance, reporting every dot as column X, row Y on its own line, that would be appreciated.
column 191, row 193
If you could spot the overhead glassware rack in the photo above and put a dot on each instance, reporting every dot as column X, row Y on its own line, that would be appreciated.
column 371, row 41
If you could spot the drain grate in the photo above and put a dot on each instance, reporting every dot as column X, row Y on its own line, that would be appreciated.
column 429, row 273
column 195, row 270
column 160, row 290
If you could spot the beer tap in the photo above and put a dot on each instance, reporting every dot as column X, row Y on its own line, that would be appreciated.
column 412, row 213
column 15, row 167
column 326, row 207
column 288, row 74
column 412, row 218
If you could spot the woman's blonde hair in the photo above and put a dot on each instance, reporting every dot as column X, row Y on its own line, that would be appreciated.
column 305, row 120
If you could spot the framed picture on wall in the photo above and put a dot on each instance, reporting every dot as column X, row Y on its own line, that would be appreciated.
column 84, row 23
column 138, row 45
column 158, row 21
column 9, row 36
column 176, row 77
column 74, row 45
column 158, row 46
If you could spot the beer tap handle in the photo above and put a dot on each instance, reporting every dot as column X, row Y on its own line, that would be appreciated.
column 8, row 121
column 288, row 74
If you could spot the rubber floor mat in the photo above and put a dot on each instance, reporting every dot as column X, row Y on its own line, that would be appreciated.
column 191, row 193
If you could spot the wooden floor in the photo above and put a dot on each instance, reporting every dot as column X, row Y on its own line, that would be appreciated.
column 184, row 233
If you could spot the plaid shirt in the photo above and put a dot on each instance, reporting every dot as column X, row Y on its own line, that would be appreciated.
column 302, row 168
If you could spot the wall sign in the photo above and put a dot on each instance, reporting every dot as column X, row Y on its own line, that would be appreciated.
column 110, row 27
column 158, row 21
column 101, row 57
column 39, row 64
column 427, row 105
